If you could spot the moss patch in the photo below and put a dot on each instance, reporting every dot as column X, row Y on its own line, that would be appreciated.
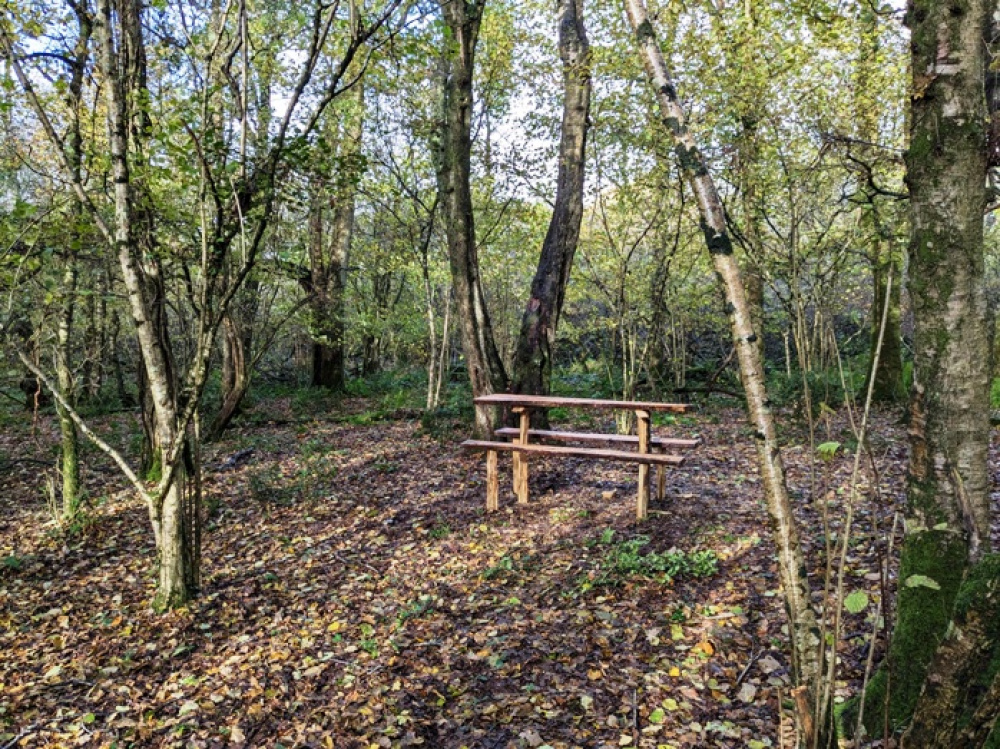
column 931, row 568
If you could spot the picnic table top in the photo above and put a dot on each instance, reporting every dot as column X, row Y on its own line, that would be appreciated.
column 553, row 401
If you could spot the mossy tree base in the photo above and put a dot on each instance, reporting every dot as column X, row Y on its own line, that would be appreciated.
column 948, row 710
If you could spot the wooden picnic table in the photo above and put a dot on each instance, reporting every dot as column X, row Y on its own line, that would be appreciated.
column 521, row 447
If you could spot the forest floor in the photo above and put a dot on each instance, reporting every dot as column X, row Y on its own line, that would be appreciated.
column 355, row 594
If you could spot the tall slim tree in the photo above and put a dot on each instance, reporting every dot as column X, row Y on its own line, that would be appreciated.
column 69, row 443
column 482, row 359
column 536, row 342
column 884, row 254
column 814, row 711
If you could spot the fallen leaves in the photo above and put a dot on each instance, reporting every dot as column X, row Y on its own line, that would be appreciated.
column 355, row 595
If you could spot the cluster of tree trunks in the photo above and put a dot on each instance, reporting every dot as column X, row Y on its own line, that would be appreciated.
column 482, row 359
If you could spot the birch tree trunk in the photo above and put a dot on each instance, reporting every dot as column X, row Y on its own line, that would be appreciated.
column 486, row 371
column 947, row 524
column 536, row 342
column 815, row 722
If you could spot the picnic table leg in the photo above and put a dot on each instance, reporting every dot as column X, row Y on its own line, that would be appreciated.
column 492, row 482
column 661, row 482
column 521, row 459
column 642, row 427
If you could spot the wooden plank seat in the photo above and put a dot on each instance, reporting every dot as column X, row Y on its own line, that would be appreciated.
column 631, row 439
column 492, row 448
column 655, row 443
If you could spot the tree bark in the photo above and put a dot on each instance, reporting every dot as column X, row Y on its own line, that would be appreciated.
column 947, row 524
column 70, row 442
column 328, row 265
column 536, row 342
column 965, row 670
column 888, row 384
column 237, row 339
column 485, row 368
column 807, row 661
column 170, row 510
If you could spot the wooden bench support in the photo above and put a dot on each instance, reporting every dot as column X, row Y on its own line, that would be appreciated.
column 655, row 443
column 642, row 430
column 520, row 459
column 492, row 482
column 492, row 448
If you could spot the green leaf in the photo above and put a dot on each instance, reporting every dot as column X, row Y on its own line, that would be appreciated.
column 921, row 581
column 856, row 602
column 89, row 718
column 827, row 450
column 657, row 716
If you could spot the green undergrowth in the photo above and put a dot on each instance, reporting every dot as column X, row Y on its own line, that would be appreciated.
column 629, row 558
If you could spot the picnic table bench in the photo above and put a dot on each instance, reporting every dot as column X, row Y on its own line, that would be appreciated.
column 522, row 446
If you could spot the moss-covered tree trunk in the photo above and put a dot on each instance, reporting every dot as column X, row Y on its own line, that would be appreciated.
column 536, row 342
column 482, row 359
column 888, row 376
column 947, row 524
column 69, row 463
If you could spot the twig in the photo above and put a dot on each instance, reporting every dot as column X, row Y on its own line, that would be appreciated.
column 24, row 732
column 754, row 657
column 337, row 556
column 11, row 463
column 635, row 717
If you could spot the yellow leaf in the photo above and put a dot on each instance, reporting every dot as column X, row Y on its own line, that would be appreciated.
column 704, row 647
column 674, row 671
column 594, row 674
column 335, row 627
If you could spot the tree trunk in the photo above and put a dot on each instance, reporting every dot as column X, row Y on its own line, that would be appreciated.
column 70, row 442
column 947, row 523
column 948, row 483
column 236, row 347
column 965, row 666
column 485, row 368
column 807, row 662
column 536, row 343
column 69, row 439
column 888, row 377
column 123, row 71
column 888, row 385
column 177, row 528
column 329, row 265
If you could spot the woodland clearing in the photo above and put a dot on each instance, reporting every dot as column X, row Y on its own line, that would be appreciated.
column 355, row 594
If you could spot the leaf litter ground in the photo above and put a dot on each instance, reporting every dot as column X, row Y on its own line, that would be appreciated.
column 355, row 594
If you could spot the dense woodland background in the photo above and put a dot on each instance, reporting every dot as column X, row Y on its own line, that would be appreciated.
column 228, row 225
